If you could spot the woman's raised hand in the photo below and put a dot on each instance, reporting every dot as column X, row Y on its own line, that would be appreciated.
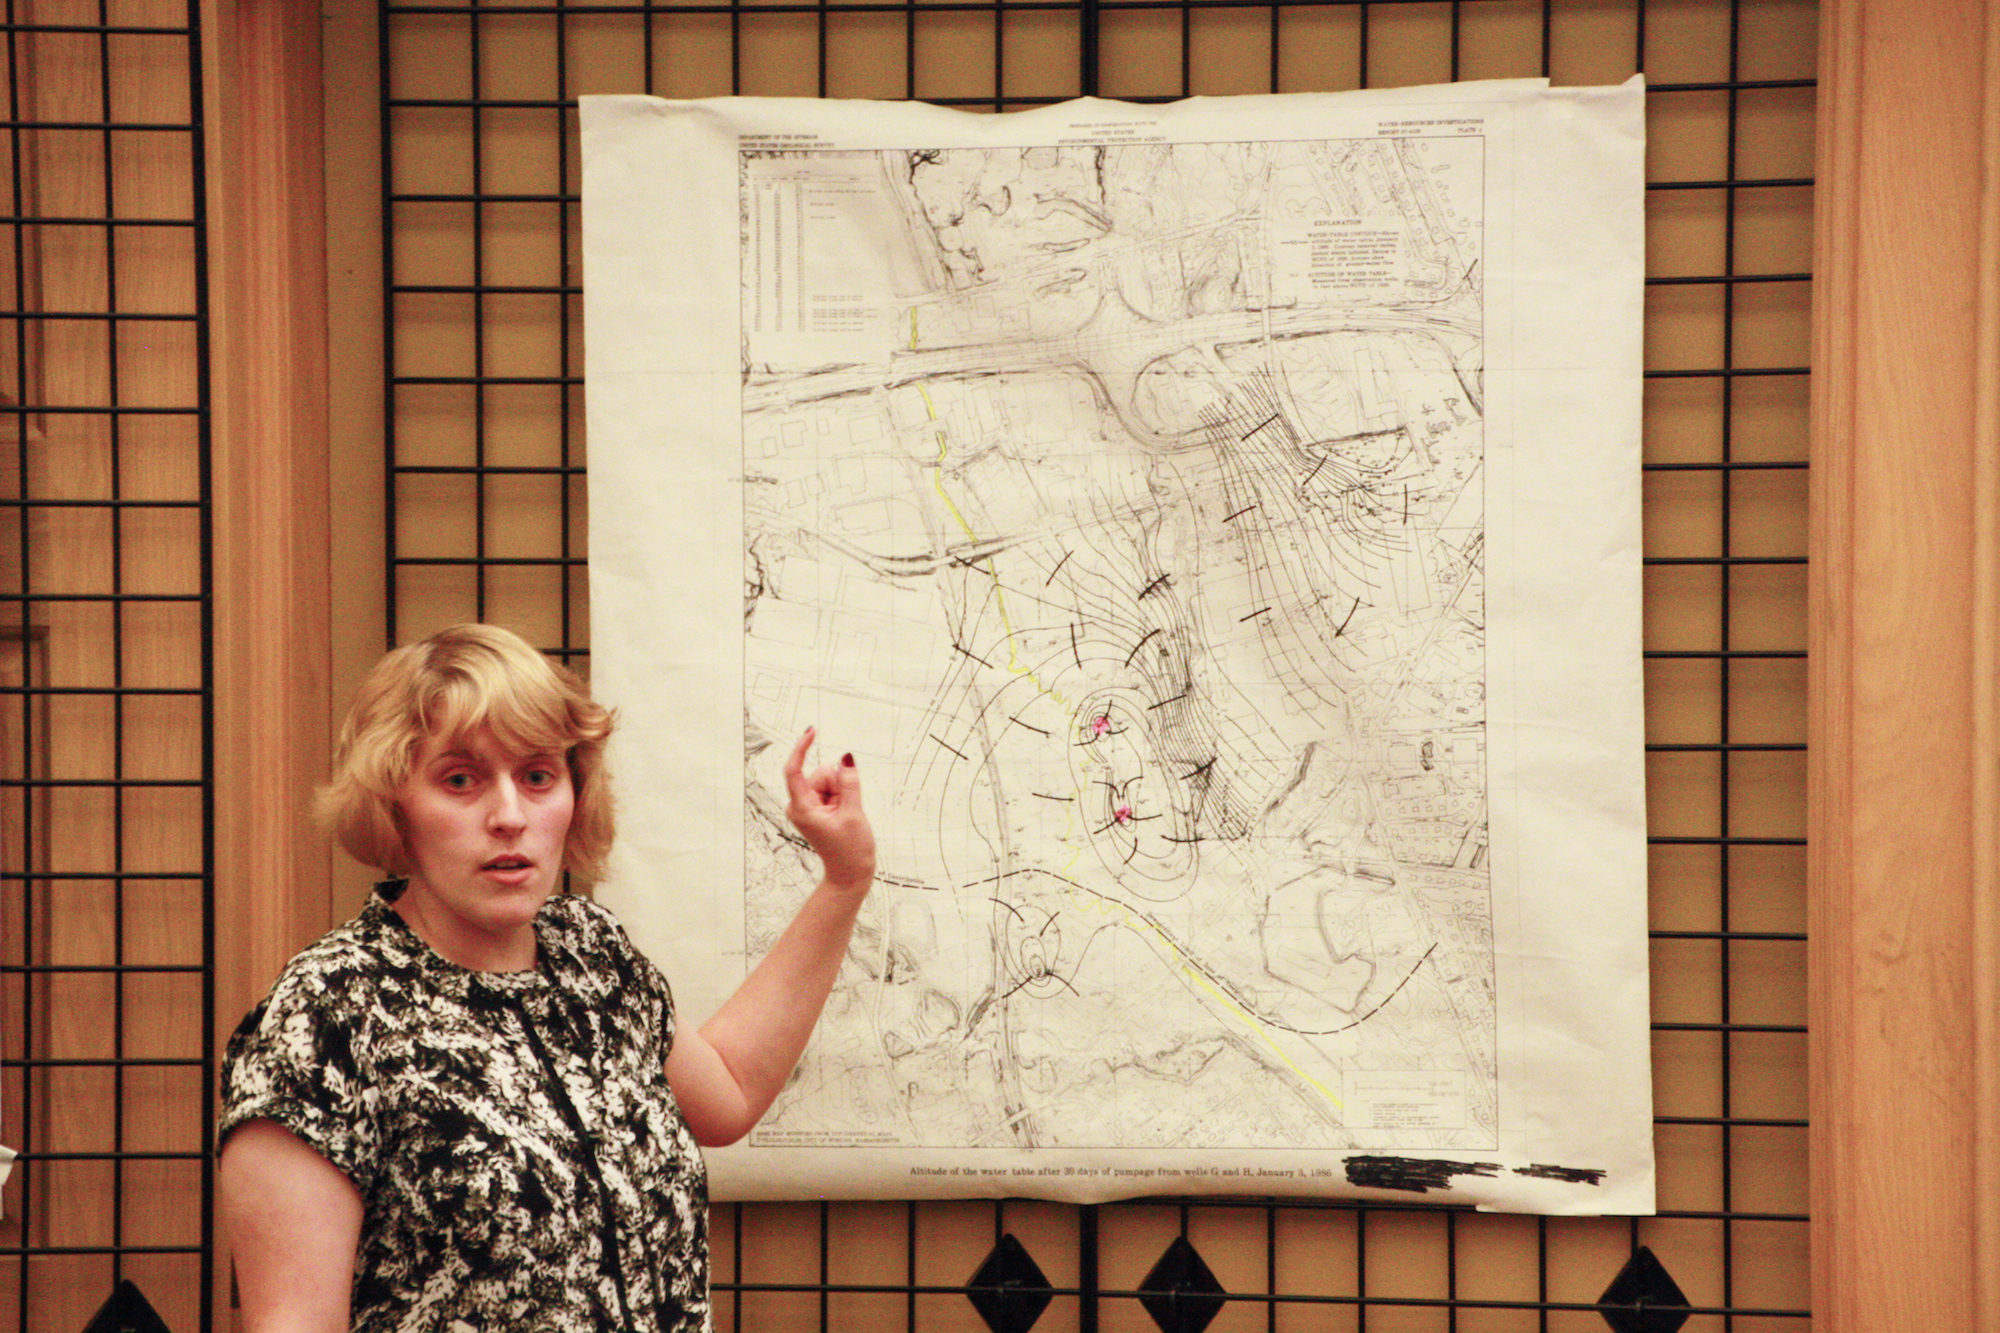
column 826, row 809
column 727, row 1074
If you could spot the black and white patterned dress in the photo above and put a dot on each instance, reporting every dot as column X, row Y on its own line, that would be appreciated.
column 521, row 1162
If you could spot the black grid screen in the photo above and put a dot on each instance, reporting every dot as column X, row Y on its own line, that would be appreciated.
column 485, row 459
column 105, row 673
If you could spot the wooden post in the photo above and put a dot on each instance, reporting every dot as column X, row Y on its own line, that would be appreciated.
column 1902, row 799
column 268, row 289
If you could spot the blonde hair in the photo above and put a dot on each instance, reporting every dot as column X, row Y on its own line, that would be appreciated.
column 448, row 686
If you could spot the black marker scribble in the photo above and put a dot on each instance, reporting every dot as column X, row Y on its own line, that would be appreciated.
column 1413, row 1175
column 1569, row 1175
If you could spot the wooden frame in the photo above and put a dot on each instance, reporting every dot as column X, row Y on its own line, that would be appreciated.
column 1903, row 803
column 267, row 287
column 1985, row 941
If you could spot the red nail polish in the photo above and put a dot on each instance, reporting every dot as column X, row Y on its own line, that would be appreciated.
column 847, row 761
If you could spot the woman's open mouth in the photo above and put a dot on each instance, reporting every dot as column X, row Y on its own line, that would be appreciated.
column 509, row 869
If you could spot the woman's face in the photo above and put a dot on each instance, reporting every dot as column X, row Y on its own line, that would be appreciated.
column 485, row 830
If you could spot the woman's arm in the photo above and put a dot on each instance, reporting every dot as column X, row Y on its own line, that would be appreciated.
column 294, row 1224
column 726, row 1075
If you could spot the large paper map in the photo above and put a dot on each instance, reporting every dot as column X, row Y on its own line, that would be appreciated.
column 1185, row 520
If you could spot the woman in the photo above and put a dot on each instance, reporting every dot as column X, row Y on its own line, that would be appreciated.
column 469, row 1108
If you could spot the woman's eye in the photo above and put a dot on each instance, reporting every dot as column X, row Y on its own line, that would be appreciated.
column 540, row 778
column 458, row 781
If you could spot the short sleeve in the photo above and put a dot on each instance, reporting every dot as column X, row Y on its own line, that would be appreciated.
column 292, row 1060
column 606, row 954
column 652, row 983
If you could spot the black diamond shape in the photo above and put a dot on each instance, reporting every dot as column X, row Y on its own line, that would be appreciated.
column 1009, row 1290
column 1180, row 1293
column 1656, row 1303
column 126, row 1312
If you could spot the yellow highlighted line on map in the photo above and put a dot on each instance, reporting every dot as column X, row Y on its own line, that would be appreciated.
column 1251, row 1022
column 937, row 468
column 1222, row 998
column 1014, row 663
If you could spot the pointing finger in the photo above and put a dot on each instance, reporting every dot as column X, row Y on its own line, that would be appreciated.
column 795, row 767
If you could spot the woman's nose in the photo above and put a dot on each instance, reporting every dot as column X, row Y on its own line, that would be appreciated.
column 506, row 810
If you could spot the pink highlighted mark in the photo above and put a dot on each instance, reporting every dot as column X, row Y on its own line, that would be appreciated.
column 1099, row 725
column 1122, row 813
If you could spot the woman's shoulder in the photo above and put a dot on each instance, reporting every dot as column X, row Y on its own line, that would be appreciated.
column 373, row 940
column 347, row 966
column 594, row 942
column 582, row 920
